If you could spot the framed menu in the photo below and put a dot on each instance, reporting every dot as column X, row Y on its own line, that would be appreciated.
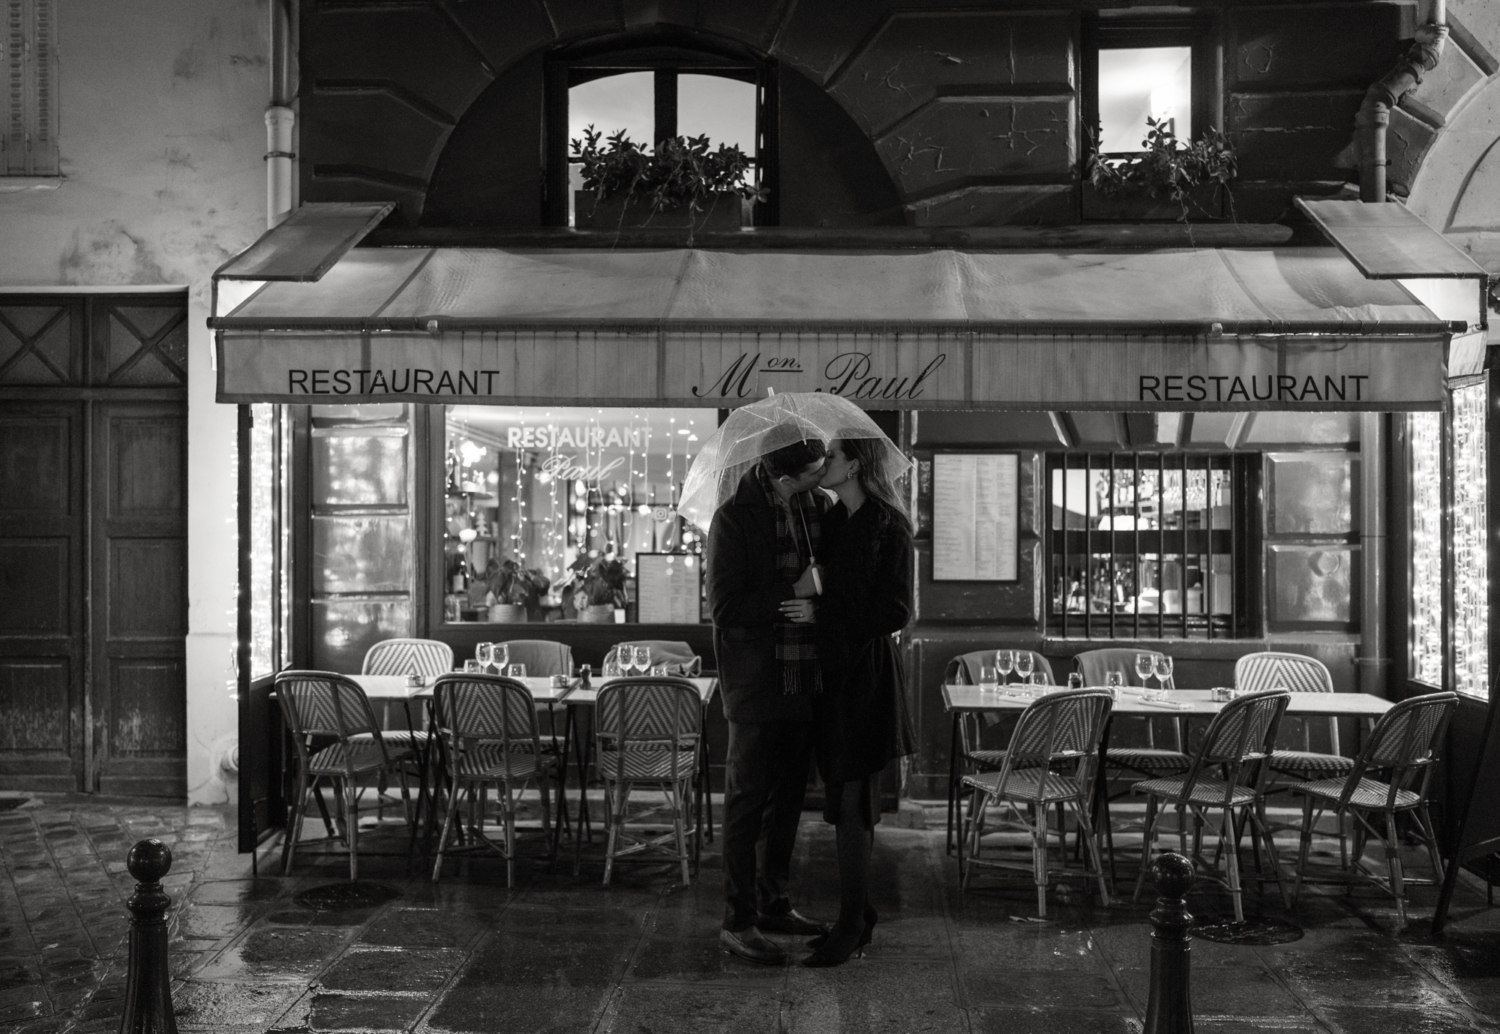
column 975, row 516
column 668, row 588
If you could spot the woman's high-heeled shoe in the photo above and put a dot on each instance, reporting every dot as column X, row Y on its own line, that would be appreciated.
column 825, row 956
column 864, row 939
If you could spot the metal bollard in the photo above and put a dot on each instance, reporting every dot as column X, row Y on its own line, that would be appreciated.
column 1170, row 1009
column 148, row 983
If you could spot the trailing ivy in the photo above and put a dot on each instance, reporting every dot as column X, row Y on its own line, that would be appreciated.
column 1167, row 167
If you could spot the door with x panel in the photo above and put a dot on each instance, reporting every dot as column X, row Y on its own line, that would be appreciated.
column 93, row 543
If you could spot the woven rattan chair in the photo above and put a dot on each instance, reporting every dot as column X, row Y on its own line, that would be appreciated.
column 1401, row 751
column 963, row 670
column 647, row 736
column 317, row 706
column 1150, row 760
column 425, row 657
column 1228, row 774
column 1050, row 761
column 489, row 725
column 1256, row 672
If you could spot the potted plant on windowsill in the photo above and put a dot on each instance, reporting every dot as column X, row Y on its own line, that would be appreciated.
column 685, row 183
column 600, row 591
column 1170, row 179
column 517, row 592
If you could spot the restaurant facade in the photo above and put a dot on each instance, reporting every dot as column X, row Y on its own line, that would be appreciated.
column 1264, row 426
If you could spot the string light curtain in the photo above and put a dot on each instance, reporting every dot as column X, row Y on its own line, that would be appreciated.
column 1470, row 552
column 1426, row 466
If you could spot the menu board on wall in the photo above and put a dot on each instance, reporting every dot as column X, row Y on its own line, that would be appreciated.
column 975, row 517
column 669, row 588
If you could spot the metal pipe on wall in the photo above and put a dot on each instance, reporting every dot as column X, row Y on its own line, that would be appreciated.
column 1372, row 663
column 281, row 119
column 1374, row 116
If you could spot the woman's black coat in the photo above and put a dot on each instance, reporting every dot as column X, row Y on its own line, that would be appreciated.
column 867, row 596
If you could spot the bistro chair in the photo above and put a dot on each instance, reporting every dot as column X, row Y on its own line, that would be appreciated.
column 317, row 705
column 1227, row 774
column 1298, row 673
column 1390, row 776
column 963, row 670
column 1050, row 761
column 489, row 725
column 542, row 657
column 1095, row 666
column 647, row 733
column 425, row 657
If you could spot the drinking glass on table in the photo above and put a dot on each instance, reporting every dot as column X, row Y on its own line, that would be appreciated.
column 516, row 671
column 1144, row 663
column 1025, row 665
column 1115, row 680
column 501, row 656
column 642, row 655
column 659, row 670
column 1005, row 662
column 988, row 680
column 471, row 667
column 1163, row 668
column 484, row 654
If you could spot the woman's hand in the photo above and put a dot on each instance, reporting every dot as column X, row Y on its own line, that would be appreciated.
column 800, row 612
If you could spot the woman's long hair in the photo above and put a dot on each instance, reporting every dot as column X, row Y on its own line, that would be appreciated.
column 875, row 474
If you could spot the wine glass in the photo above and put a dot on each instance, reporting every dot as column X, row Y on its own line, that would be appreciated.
column 1163, row 670
column 1143, row 667
column 500, row 653
column 1025, row 665
column 484, row 653
column 642, row 655
column 1005, row 661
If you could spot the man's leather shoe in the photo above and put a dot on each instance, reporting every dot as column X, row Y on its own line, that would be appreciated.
column 791, row 922
column 751, row 946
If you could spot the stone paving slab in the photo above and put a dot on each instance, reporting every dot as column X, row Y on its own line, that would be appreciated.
column 560, row 953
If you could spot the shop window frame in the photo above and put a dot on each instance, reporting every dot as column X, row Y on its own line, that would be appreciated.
column 1244, row 536
column 668, row 55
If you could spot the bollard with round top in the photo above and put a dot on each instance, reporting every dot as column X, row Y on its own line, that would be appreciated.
column 1170, row 1008
column 148, row 987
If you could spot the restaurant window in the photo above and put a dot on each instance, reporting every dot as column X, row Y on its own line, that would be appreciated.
column 1138, row 68
column 1151, row 545
column 653, row 93
column 563, row 514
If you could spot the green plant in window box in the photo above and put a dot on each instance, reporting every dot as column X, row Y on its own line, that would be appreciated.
column 509, row 591
column 1167, row 168
column 600, row 588
column 682, row 173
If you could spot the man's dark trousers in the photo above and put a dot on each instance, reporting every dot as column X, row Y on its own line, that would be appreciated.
column 766, row 774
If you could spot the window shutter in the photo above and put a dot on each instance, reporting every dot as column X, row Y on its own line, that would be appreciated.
column 28, row 146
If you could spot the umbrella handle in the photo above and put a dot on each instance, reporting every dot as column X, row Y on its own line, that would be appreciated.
column 817, row 581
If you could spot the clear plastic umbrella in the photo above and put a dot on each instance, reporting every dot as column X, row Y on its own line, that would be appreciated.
column 762, row 427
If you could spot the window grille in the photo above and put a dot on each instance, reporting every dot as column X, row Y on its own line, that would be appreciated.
column 1151, row 545
column 28, row 60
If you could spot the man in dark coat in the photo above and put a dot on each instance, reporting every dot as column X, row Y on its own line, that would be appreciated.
column 759, row 549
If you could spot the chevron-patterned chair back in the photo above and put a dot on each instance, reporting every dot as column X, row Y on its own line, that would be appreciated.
column 473, row 708
column 1299, row 673
column 1244, row 729
column 426, row 657
column 1407, row 735
column 541, row 656
column 1059, row 727
column 324, row 703
column 1095, row 665
column 659, row 712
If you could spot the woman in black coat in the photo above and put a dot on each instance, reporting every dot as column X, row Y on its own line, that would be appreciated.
column 861, row 717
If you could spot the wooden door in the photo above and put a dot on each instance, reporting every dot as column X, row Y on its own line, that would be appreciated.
column 138, row 614
column 42, row 596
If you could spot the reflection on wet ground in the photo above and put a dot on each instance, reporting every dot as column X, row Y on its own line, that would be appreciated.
column 561, row 953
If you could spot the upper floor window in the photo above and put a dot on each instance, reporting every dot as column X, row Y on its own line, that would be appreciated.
column 652, row 92
column 28, row 72
column 1139, row 68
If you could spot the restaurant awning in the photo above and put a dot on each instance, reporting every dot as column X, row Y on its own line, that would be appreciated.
column 1178, row 329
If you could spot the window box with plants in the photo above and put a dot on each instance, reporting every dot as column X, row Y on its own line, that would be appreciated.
column 1169, row 179
column 684, row 183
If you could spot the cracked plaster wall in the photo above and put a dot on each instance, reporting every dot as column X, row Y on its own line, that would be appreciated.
column 161, row 137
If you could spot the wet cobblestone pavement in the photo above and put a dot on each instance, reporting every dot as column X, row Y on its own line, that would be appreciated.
column 560, row 953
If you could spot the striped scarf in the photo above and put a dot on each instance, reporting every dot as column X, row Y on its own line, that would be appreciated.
column 796, row 644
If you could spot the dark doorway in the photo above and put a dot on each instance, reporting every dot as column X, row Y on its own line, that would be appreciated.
column 93, row 543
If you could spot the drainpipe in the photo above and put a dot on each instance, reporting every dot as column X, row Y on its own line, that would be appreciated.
column 1374, row 115
column 280, row 118
column 1372, row 666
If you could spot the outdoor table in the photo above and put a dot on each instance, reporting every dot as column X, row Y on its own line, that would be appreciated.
column 578, row 699
column 1184, row 703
